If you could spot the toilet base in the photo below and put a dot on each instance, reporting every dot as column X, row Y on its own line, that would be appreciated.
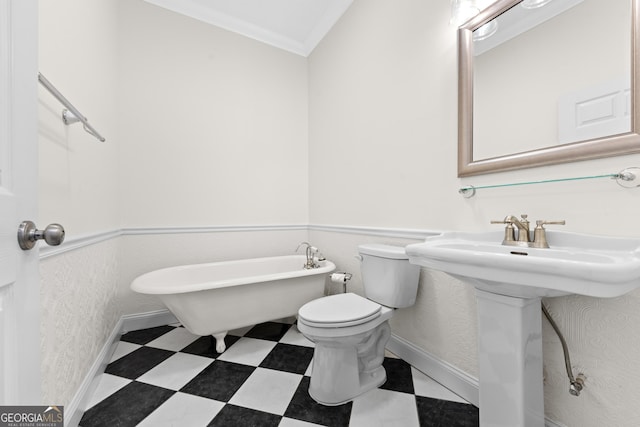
column 348, row 367
column 369, row 382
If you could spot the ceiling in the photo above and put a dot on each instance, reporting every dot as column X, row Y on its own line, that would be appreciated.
column 293, row 25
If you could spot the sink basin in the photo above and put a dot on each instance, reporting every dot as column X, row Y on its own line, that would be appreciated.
column 582, row 264
column 509, row 282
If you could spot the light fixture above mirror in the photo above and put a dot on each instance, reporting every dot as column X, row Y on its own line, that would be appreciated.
column 486, row 31
column 534, row 4
column 462, row 11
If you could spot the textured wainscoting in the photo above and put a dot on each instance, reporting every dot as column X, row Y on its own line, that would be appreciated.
column 85, row 284
column 79, row 311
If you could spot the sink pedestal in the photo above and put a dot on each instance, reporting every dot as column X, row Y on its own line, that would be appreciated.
column 510, row 361
column 510, row 327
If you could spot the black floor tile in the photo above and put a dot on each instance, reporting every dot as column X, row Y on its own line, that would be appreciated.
column 232, row 415
column 272, row 331
column 288, row 358
column 206, row 346
column 399, row 376
column 304, row 408
column 220, row 380
column 138, row 362
column 443, row 413
column 126, row 407
column 145, row 336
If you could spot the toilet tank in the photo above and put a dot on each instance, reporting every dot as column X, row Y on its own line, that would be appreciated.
column 387, row 276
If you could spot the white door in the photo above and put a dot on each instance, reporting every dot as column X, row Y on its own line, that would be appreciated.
column 19, row 277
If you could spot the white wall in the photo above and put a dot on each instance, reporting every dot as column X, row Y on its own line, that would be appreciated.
column 214, row 133
column 204, row 128
column 382, row 152
column 79, row 174
column 196, row 111
column 213, row 124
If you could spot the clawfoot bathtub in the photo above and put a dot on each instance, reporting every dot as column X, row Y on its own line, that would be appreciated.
column 213, row 298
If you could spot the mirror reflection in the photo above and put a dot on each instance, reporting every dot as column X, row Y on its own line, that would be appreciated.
column 544, row 74
column 564, row 80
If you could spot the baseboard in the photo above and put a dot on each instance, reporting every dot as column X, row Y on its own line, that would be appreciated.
column 550, row 423
column 131, row 322
column 446, row 374
column 73, row 411
column 151, row 319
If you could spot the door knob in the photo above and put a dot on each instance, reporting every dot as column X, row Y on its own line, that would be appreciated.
column 28, row 235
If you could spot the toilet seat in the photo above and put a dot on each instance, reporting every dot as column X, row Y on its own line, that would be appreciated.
column 339, row 311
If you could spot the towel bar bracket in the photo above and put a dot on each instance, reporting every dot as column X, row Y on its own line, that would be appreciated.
column 69, row 118
column 70, row 114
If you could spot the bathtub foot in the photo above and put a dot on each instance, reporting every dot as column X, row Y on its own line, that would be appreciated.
column 220, row 345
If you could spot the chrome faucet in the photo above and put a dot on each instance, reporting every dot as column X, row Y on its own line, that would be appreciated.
column 313, row 255
column 524, row 234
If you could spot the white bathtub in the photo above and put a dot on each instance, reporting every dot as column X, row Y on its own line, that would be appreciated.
column 213, row 298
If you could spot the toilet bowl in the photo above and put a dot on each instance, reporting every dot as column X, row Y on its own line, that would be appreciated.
column 350, row 331
column 348, row 355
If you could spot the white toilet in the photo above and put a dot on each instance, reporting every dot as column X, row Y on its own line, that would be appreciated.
column 350, row 332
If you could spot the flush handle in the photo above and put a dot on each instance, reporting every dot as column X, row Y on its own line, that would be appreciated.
column 28, row 235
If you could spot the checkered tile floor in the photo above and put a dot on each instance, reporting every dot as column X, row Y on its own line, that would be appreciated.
column 166, row 376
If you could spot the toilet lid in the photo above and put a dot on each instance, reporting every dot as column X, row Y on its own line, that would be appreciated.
column 339, row 311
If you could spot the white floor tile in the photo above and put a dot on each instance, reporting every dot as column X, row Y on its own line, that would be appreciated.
column 387, row 353
column 386, row 408
column 309, row 369
column 107, row 385
column 267, row 390
column 290, row 422
column 183, row 410
column 122, row 349
column 248, row 351
column 293, row 336
column 427, row 387
column 176, row 371
column 174, row 340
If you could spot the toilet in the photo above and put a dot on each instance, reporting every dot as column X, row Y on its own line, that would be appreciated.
column 350, row 331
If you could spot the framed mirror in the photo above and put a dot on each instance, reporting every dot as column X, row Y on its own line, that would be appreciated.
column 544, row 82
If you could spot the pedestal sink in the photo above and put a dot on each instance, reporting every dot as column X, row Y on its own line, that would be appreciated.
column 509, row 283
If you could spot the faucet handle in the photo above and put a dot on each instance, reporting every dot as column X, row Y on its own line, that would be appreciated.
column 302, row 244
column 524, row 234
column 545, row 222
column 540, row 233
column 501, row 221
column 509, row 230
column 309, row 247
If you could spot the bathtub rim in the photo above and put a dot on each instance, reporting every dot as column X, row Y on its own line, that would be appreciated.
column 142, row 285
